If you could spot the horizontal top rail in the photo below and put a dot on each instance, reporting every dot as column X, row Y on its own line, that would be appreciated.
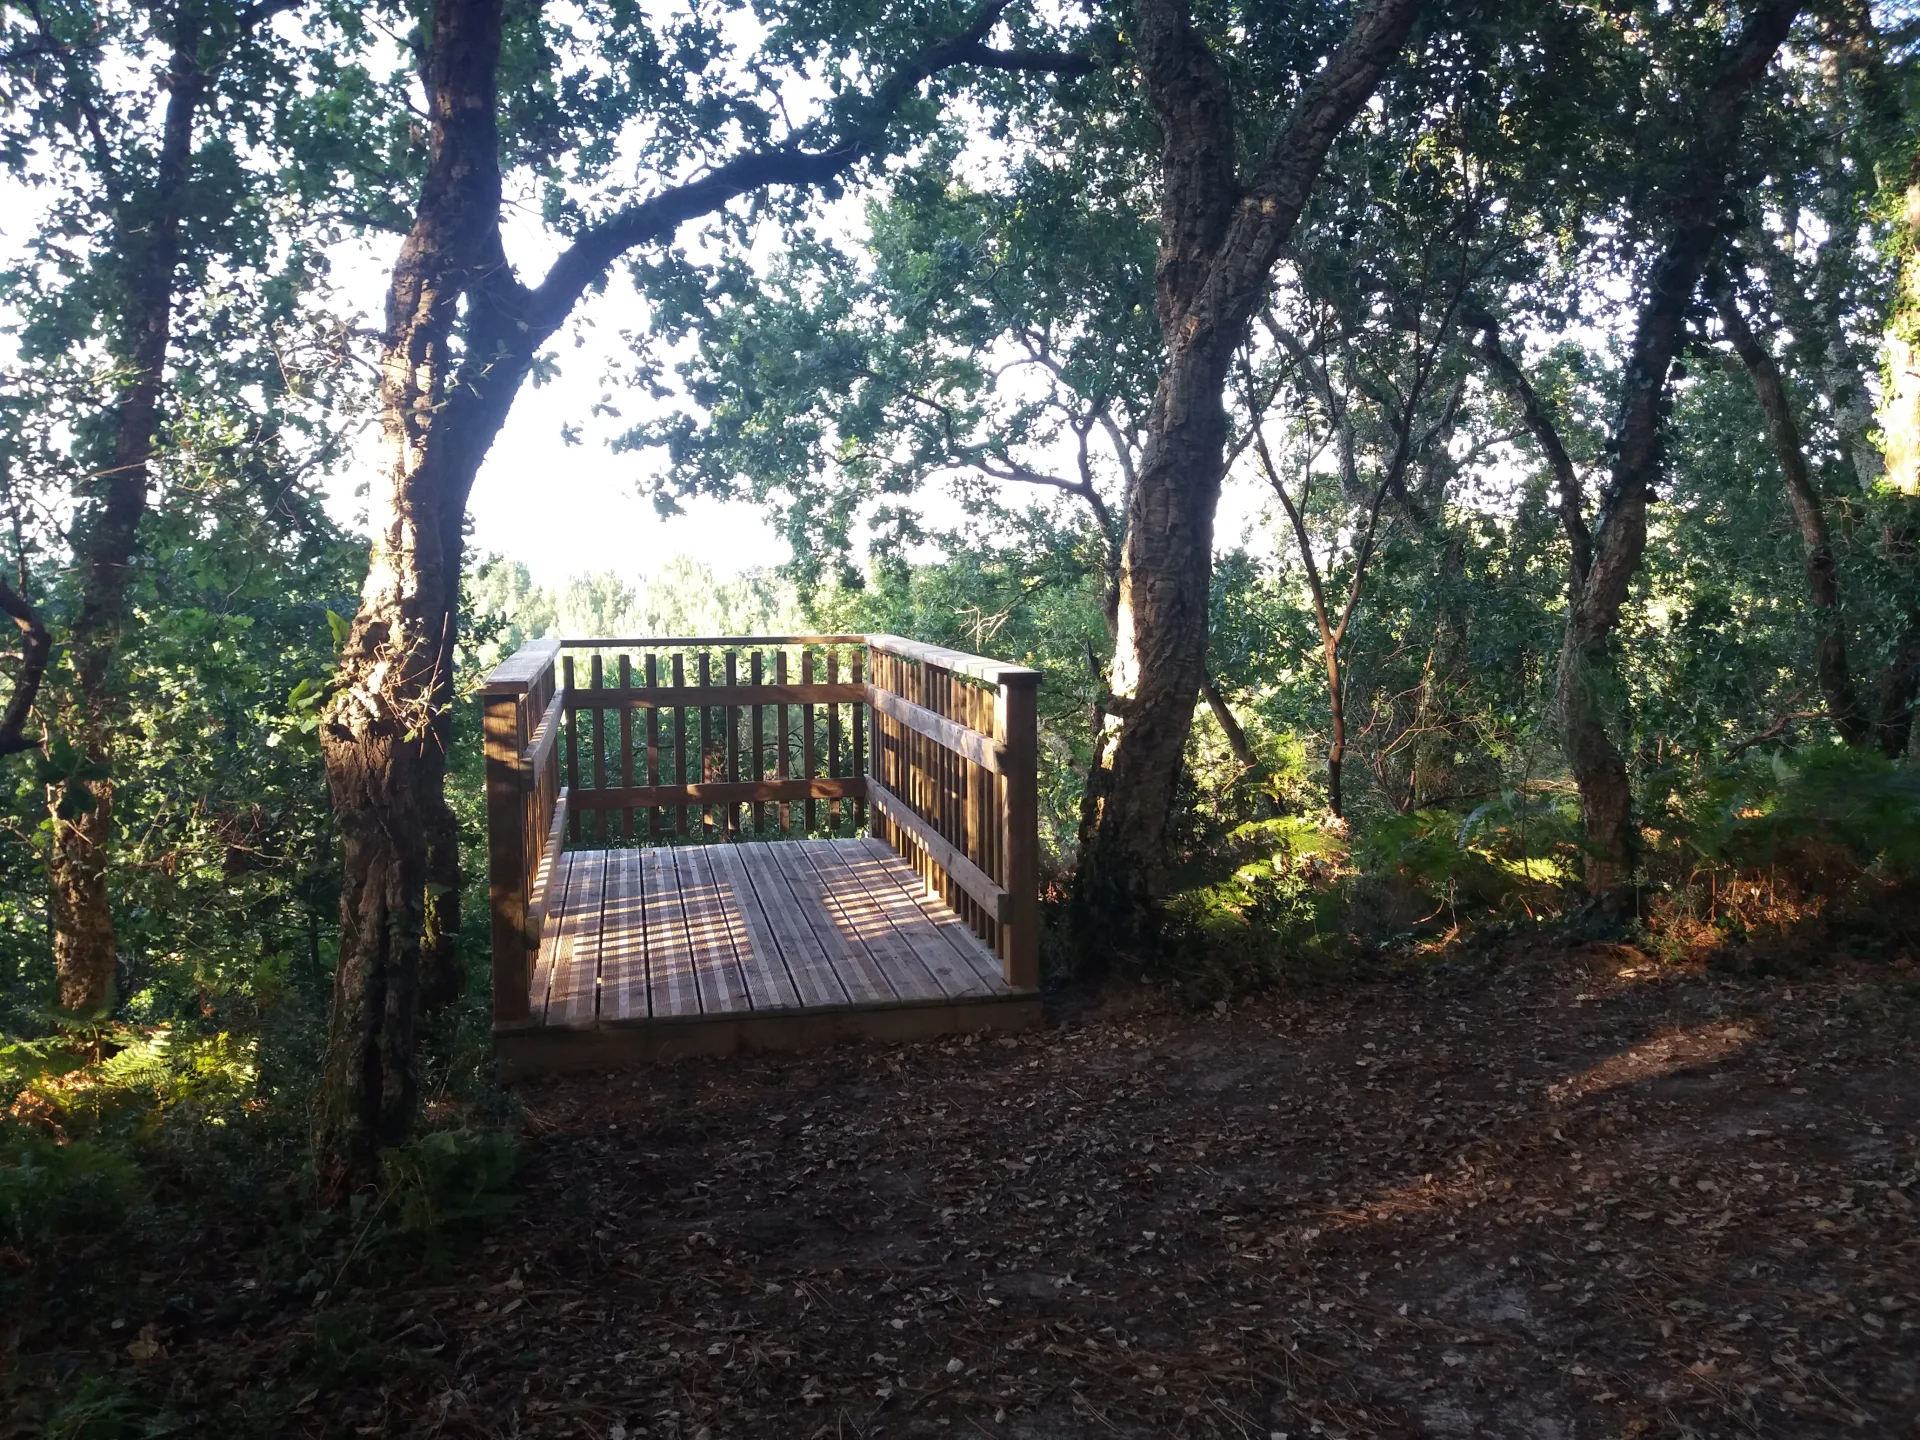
column 517, row 673
column 976, row 667
column 744, row 641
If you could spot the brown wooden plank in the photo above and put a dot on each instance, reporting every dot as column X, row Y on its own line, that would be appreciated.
column 806, row 743
column 671, row 989
column 680, row 776
column 626, row 749
column 573, row 749
column 731, row 716
column 833, row 739
column 1016, row 725
column 541, row 984
column 595, row 682
column 653, row 752
column 808, row 964
column 784, row 769
column 545, row 736
column 710, row 930
column 918, row 960
column 769, row 986
column 510, row 827
column 721, row 792
column 978, row 667
column 706, row 740
column 864, row 977
column 888, row 868
column 522, row 670
column 951, row 734
column 759, row 744
column 575, row 997
column 858, row 709
column 623, row 939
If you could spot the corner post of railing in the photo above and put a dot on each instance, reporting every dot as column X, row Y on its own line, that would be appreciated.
column 876, row 742
column 507, row 719
column 1016, row 727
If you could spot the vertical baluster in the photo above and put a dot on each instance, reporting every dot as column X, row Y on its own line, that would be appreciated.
column 733, row 747
column 806, row 731
column 652, row 672
column 783, row 767
column 833, row 741
column 626, row 745
column 857, row 714
column 706, row 742
column 597, row 680
column 572, row 718
column 756, row 673
column 680, row 742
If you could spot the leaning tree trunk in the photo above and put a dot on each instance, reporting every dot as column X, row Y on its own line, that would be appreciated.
column 1589, row 689
column 1219, row 241
column 1830, row 666
column 386, row 729
column 105, row 540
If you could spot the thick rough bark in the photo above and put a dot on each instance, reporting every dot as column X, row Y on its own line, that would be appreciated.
column 1589, row 692
column 105, row 541
column 442, row 405
column 35, row 646
column 384, row 740
column 1219, row 241
column 1830, row 666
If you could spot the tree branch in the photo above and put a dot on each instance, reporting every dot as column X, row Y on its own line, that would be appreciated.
column 35, row 647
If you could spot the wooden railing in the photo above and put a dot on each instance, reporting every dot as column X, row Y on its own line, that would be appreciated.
column 521, row 718
column 952, row 786
column 659, row 741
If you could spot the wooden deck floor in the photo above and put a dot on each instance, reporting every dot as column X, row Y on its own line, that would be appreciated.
column 704, row 949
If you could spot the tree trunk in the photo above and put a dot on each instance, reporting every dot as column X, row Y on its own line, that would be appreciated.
column 1589, row 689
column 105, row 540
column 384, row 738
column 1229, row 723
column 1830, row 665
column 1219, row 241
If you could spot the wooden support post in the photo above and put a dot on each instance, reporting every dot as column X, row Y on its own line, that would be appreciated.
column 812, row 810
column 733, row 745
column 598, row 681
column 1016, row 724
column 756, row 674
column 833, row 741
column 626, row 748
column 655, row 833
column 572, row 717
column 857, row 659
column 680, row 776
column 783, row 767
column 706, row 743
column 503, row 730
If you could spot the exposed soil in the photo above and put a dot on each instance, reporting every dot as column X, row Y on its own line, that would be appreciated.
column 1579, row 1198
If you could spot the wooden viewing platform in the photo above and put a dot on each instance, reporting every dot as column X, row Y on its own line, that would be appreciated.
column 768, row 842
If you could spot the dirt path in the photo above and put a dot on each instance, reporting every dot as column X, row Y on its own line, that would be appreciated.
column 1512, row 1206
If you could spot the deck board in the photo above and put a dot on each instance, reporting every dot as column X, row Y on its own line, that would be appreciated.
column 948, row 959
column 623, row 940
column 702, row 948
column 813, row 975
column 671, row 988
column 971, row 950
column 769, row 986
